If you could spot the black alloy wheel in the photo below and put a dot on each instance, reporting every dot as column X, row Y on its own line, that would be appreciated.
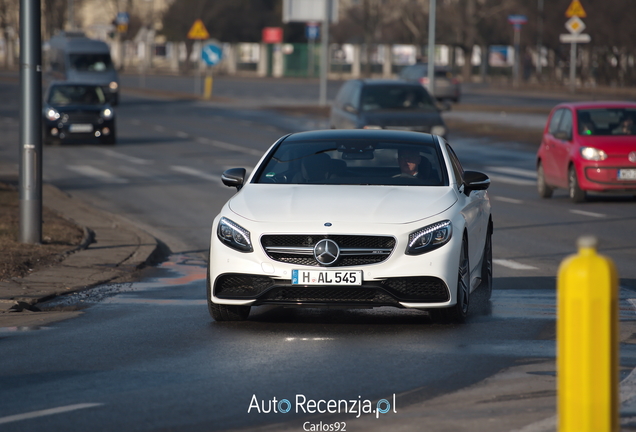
column 224, row 312
column 459, row 311
column 545, row 191
column 576, row 194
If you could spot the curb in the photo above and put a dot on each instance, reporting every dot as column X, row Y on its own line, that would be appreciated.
column 112, row 249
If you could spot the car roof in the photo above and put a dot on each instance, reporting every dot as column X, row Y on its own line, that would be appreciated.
column 361, row 134
column 385, row 82
column 597, row 104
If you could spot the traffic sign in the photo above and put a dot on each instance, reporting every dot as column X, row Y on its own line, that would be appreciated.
column 122, row 18
column 575, row 9
column 575, row 25
column 575, row 38
column 211, row 54
column 198, row 31
column 312, row 31
column 517, row 19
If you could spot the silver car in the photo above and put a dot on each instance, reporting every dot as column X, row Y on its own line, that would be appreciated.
column 447, row 86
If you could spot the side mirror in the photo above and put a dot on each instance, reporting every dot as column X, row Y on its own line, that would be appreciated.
column 349, row 108
column 474, row 180
column 563, row 135
column 234, row 177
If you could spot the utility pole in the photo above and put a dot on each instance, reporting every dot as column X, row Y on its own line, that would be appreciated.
column 30, row 122
column 431, row 47
column 539, row 39
column 324, row 55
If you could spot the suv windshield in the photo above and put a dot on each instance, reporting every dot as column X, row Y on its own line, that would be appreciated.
column 607, row 121
column 392, row 97
column 91, row 62
column 76, row 95
column 354, row 162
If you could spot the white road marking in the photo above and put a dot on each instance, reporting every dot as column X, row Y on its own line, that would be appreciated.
column 511, row 180
column 182, row 135
column 195, row 173
column 46, row 412
column 159, row 128
column 514, row 171
column 97, row 174
column 514, row 264
column 228, row 146
column 508, row 200
column 586, row 213
column 126, row 157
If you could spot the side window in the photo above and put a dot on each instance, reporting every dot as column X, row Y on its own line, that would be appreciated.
column 457, row 167
column 566, row 122
column 354, row 98
column 343, row 95
column 554, row 121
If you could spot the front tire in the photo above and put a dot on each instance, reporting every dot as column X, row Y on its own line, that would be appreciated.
column 545, row 191
column 224, row 312
column 576, row 193
column 459, row 311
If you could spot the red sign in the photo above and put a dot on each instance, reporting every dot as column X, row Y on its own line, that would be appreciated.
column 273, row 35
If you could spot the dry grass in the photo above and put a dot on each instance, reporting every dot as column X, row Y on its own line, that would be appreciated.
column 17, row 259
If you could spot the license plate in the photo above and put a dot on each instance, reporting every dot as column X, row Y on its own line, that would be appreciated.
column 627, row 174
column 80, row 128
column 326, row 277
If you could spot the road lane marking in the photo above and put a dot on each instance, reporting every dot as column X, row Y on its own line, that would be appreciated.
column 508, row 200
column 195, row 173
column 228, row 146
column 514, row 171
column 181, row 134
column 47, row 412
column 514, row 264
column 586, row 213
column 160, row 128
column 126, row 157
column 96, row 174
column 511, row 180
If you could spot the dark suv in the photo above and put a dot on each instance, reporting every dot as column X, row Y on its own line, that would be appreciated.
column 384, row 104
column 446, row 85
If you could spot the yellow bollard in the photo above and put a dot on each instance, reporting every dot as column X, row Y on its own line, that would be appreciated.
column 207, row 89
column 587, row 342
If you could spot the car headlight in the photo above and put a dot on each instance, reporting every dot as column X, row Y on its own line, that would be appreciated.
column 107, row 113
column 438, row 130
column 113, row 85
column 234, row 235
column 429, row 238
column 52, row 114
column 593, row 154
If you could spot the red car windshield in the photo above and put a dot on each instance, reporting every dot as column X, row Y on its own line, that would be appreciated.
column 607, row 121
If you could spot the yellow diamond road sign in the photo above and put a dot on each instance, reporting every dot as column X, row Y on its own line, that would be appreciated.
column 198, row 31
column 575, row 25
column 575, row 9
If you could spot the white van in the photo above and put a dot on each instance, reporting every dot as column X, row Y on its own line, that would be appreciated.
column 74, row 57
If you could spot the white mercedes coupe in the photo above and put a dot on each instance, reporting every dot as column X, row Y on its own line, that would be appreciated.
column 352, row 219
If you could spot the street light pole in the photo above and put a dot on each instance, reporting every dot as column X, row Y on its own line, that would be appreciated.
column 324, row 55
column 30, row 123
column 431, row 47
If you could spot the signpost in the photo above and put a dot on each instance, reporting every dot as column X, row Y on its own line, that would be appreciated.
column 312, row 31
column 198, row 32
column 517, row 21
column 211, row 54
column 575, row 26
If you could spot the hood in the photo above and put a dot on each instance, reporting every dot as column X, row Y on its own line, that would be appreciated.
column 339, row 203
column 613, row 145
column 98, row 78
column 403, row 118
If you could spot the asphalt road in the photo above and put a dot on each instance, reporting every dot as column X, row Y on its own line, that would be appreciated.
column 148, row 356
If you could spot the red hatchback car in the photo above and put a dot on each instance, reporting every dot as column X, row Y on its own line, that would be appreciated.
column 588, row 146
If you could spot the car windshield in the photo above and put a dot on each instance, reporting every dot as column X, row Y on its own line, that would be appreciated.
column 91, row 62
column 391, row 97
column 354, row 162
column 607, row 121
column 76, row 95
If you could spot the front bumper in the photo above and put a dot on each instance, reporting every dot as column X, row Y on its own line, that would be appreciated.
column 406, row 281
column 604, row 177
column 67, row 130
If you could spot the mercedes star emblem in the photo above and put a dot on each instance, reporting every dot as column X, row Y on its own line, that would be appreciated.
column 326, row 252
